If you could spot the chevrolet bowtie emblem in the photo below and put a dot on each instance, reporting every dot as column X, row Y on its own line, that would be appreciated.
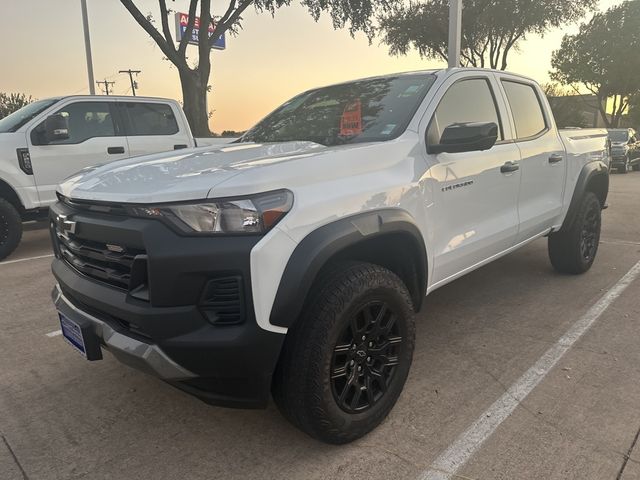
column 66, row 225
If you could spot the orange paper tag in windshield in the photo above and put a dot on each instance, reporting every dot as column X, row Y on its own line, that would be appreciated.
column 351, row 120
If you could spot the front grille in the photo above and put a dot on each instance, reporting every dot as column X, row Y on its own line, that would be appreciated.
column 223, row 301
column 88, row 206
column 111, row 264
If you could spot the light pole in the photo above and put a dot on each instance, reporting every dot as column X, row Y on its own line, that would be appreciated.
column 87, row 46
column 455, row 33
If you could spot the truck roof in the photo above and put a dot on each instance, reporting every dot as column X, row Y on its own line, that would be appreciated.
column 434, row 71
column 111, row 97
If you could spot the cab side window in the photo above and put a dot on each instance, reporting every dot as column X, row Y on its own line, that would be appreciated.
column 86, row 120
column 150, row 119
column 526, row 109
column 466, row 101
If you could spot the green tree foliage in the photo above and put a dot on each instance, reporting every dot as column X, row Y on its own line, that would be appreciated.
column 491, row 29
column 10, row 102
column 355, row 15
column 603, row 58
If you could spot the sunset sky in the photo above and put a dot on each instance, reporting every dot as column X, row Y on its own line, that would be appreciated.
column 272, row 59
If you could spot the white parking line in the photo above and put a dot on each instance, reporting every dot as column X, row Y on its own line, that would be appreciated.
column 55, row 333
column 26, row 259
column 466, row 445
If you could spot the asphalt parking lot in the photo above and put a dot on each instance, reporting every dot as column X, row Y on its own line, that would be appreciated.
column 62, row 417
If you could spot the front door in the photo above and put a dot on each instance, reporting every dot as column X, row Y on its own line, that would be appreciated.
column 474, row 214
column 94, row 139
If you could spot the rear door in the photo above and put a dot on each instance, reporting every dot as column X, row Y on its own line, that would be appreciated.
column 474, row 214
column 95, row 138
column 543, row 161
column 152, row 126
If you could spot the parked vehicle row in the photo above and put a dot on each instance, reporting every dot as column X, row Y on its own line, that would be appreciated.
column 625, row 149
column 49, row 140
column 292, row 262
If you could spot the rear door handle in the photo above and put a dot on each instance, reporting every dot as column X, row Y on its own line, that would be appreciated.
column 180, row 146
column 555, row 158
column 509, row 167
column 115, row 150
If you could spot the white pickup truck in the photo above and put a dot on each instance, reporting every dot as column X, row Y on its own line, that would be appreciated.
column 49, row 140
column 293, row 260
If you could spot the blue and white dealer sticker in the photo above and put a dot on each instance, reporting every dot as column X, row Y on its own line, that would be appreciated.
column 72, row 334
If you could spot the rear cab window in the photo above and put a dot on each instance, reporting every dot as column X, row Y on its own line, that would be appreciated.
column 146, row 118
column 526, row 108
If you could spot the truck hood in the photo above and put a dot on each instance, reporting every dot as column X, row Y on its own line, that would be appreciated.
column 178, row 176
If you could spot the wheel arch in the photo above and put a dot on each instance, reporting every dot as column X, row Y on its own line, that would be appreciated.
column 389, row 238
column 10, row 195
column 594, row 177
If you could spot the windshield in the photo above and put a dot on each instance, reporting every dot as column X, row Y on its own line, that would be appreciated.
column 12, row 122
column 619, row 136
column 371, row 110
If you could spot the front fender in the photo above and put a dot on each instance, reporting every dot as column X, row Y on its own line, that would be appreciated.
column 317, row 248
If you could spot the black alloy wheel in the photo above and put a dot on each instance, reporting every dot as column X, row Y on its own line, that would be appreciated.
column 590, row 235
column 365, row 358
column 346, row 359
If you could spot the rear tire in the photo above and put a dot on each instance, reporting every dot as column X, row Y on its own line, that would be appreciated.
column 10, row 228
column 346, row 359
column 573, row 250
column 636, row 166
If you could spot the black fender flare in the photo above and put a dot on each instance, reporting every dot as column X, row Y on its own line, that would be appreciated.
column 318, row 247
column 592, row 174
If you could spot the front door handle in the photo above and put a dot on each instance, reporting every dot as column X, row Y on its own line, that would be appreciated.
column 555, row 158
column 509, row 167
column 180, row 146
column 115, row 150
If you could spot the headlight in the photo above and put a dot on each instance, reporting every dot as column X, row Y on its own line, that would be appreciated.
column 254, row 214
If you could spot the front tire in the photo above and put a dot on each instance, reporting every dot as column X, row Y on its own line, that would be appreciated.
column 347, row 358
column 573, row 250
column 10, row 228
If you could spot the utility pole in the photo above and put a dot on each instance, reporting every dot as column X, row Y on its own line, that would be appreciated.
column 134, row 84
column 106, row 85
column 455, row 33
column 87, row 46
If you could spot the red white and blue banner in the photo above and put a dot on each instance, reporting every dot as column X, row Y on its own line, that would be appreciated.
column 182, row 20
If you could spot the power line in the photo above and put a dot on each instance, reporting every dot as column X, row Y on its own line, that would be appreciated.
column 134, row 84
column 107, row 85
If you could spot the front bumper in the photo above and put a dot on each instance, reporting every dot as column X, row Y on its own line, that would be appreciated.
column 169, row 335
column 130, row 351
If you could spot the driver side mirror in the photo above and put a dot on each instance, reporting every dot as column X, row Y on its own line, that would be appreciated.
column 466, row 137
column 56, row 127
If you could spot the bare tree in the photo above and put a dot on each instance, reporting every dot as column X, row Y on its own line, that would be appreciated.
column 354, row 14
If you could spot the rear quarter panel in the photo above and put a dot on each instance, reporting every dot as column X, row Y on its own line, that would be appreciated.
column 583, row 146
